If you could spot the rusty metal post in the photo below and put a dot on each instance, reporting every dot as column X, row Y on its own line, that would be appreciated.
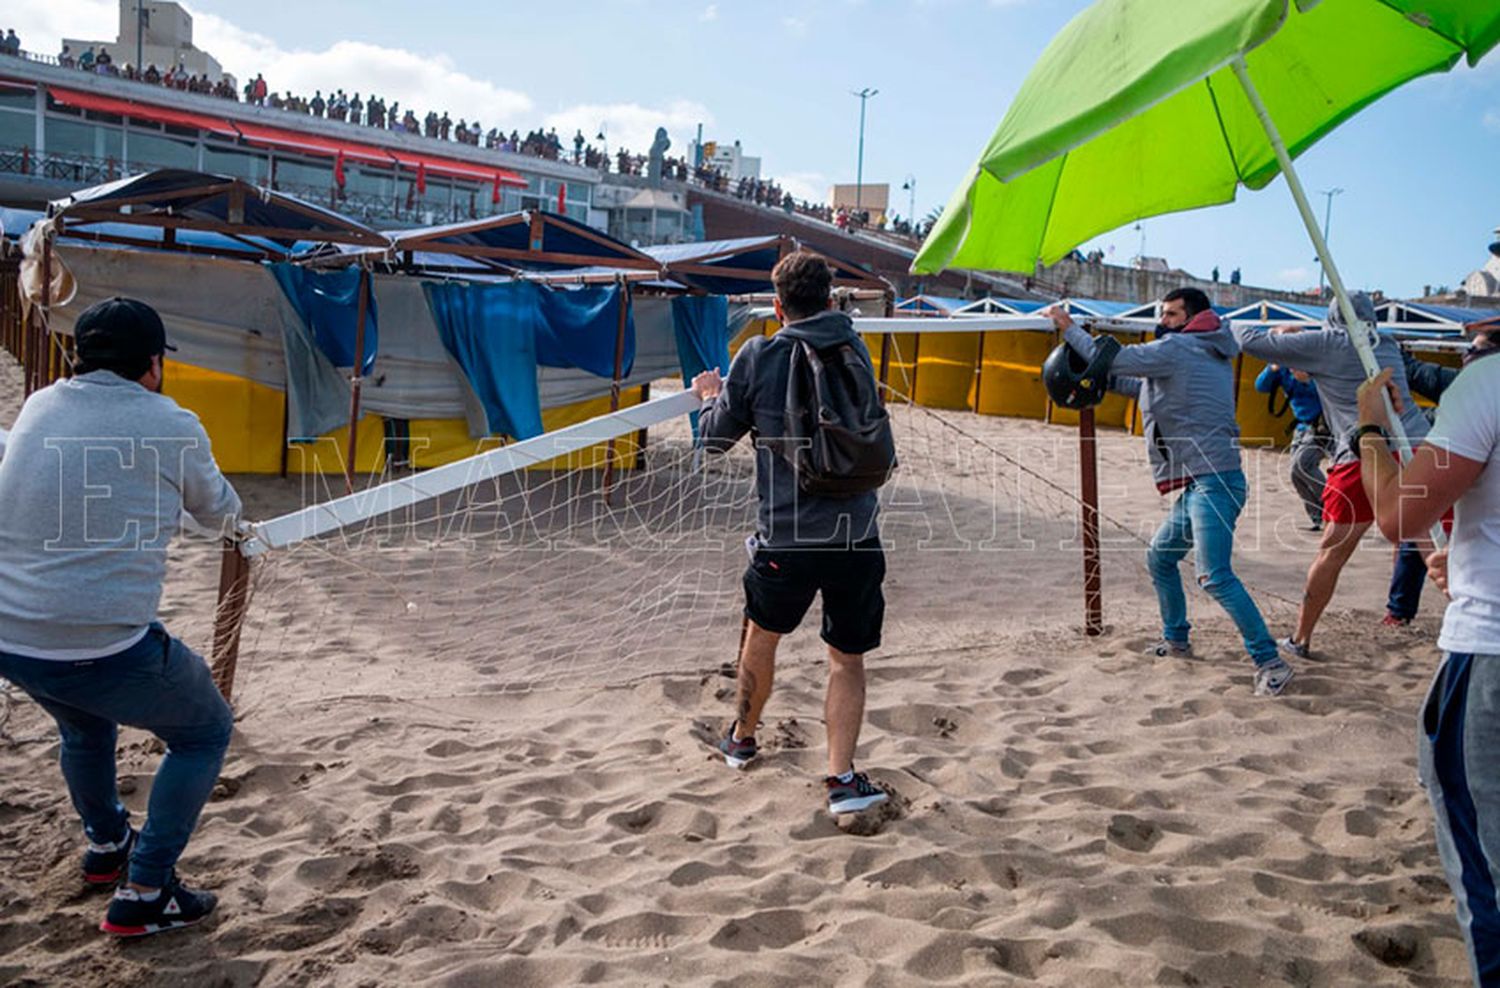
column 229, row 616
column 1093, row 580
column 978, row 373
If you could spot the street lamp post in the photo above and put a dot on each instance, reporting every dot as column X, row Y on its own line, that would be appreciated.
column 140, row 35
column 859, row 173
column 1327, row 216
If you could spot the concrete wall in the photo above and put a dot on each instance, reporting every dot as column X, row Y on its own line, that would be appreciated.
column 1108, row 281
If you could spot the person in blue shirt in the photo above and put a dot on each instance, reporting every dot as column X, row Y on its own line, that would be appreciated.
column 1310, row 440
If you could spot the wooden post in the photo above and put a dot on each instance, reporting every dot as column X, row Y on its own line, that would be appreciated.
column 229, row 616
column 41, row 327
column 1093, row 582
column 641, row 435
column 358, row 378
column 614, row 384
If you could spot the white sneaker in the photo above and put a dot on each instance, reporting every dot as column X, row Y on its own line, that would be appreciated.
column 1167, row 647
column 1271, row 678
column 1295, row 649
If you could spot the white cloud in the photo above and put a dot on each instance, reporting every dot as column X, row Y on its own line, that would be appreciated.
column 42, row 24
column 811, row 186
column 632, row 125
column 710, row 13
column 1491, row 120
column 1300, row 277
column 420, row 82
column 795, row 26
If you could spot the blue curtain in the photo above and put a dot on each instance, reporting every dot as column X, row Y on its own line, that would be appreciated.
column 701, row 323
column 491, row 330
column 578, row 327
column 328, row 302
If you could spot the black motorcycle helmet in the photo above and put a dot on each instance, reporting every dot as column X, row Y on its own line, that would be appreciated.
column 1075, row 382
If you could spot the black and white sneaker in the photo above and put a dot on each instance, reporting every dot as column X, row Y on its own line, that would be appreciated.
column 173, row 907
column 852, row 796
column 103, row 864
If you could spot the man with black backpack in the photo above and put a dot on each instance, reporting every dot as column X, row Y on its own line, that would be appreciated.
column 822, row 447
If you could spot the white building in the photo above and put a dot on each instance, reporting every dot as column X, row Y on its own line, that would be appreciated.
column 166, row 41
column 731, row 160
column 1485, row 283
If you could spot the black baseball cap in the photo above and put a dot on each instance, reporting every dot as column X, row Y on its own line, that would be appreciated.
column 119, row 329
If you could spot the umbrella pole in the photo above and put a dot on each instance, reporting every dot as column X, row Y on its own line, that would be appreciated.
column 1362, row 345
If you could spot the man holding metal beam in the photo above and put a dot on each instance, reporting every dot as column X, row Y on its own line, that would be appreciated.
column 1185, row 384
column 1330, row 356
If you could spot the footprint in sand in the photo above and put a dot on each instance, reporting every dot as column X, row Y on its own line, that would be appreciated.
column 1133, row 833
column 1393, row 946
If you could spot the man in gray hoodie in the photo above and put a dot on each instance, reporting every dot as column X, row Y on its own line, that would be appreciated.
column 1184, row 382
column 1328, row 355
column 94, row 480
column 804, row 544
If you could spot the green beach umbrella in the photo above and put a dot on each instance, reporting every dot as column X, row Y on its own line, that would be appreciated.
column 1144, row 107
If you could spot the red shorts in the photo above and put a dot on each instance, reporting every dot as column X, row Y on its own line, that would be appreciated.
column 1344, row 500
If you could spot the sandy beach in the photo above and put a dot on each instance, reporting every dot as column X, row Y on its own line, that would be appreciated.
column 1065, row 811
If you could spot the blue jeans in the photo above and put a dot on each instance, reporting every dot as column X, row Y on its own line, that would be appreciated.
column 1407, row 577
column 1203, row 518
column 159, row 685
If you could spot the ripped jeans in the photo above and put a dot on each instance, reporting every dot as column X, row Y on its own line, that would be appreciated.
column 1203, row 519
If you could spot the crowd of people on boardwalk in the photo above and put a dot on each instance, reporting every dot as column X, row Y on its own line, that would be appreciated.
column 375, row 112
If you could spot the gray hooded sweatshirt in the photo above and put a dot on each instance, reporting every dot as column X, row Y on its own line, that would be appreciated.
column 1328, row 355
column 1185, row 385
column 95, row 477
column 754, row 400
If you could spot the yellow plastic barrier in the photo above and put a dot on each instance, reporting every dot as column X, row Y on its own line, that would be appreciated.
column 1010, row 381
column 945, row 370
column 245, row 422
column 435, row 442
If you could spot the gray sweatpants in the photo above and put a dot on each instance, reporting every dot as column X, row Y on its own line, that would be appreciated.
column 1308, row 450
column 1459, row 759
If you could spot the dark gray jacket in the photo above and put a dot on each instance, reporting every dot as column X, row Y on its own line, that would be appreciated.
column 754, row 400
column 1426, row 379
column 1328, row 355
column 1185, row 385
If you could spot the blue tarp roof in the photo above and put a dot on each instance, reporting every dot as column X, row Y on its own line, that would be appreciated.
column 17, row 221
column 511, row 233
column 945, row 304
column 210, row 201
column 1453, row 313
column 750, row 260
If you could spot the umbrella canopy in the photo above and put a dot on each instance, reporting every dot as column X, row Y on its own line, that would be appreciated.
column 1134, row 110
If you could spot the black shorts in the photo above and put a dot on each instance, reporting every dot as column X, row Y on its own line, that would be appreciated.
column 780, row 585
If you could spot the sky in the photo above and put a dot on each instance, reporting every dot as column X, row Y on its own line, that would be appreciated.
column 1420, row 200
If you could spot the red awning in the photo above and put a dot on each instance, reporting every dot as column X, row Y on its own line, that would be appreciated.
column 281, row 137
column 142, row 111
column 456, row 169
column 276, row 137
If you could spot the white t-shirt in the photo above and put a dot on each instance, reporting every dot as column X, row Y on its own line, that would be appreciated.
column 1468, row 424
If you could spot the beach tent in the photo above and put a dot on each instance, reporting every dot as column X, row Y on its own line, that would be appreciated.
column 743, row 266
column 930, row 305
column 1418, row 319
column 992, row 306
